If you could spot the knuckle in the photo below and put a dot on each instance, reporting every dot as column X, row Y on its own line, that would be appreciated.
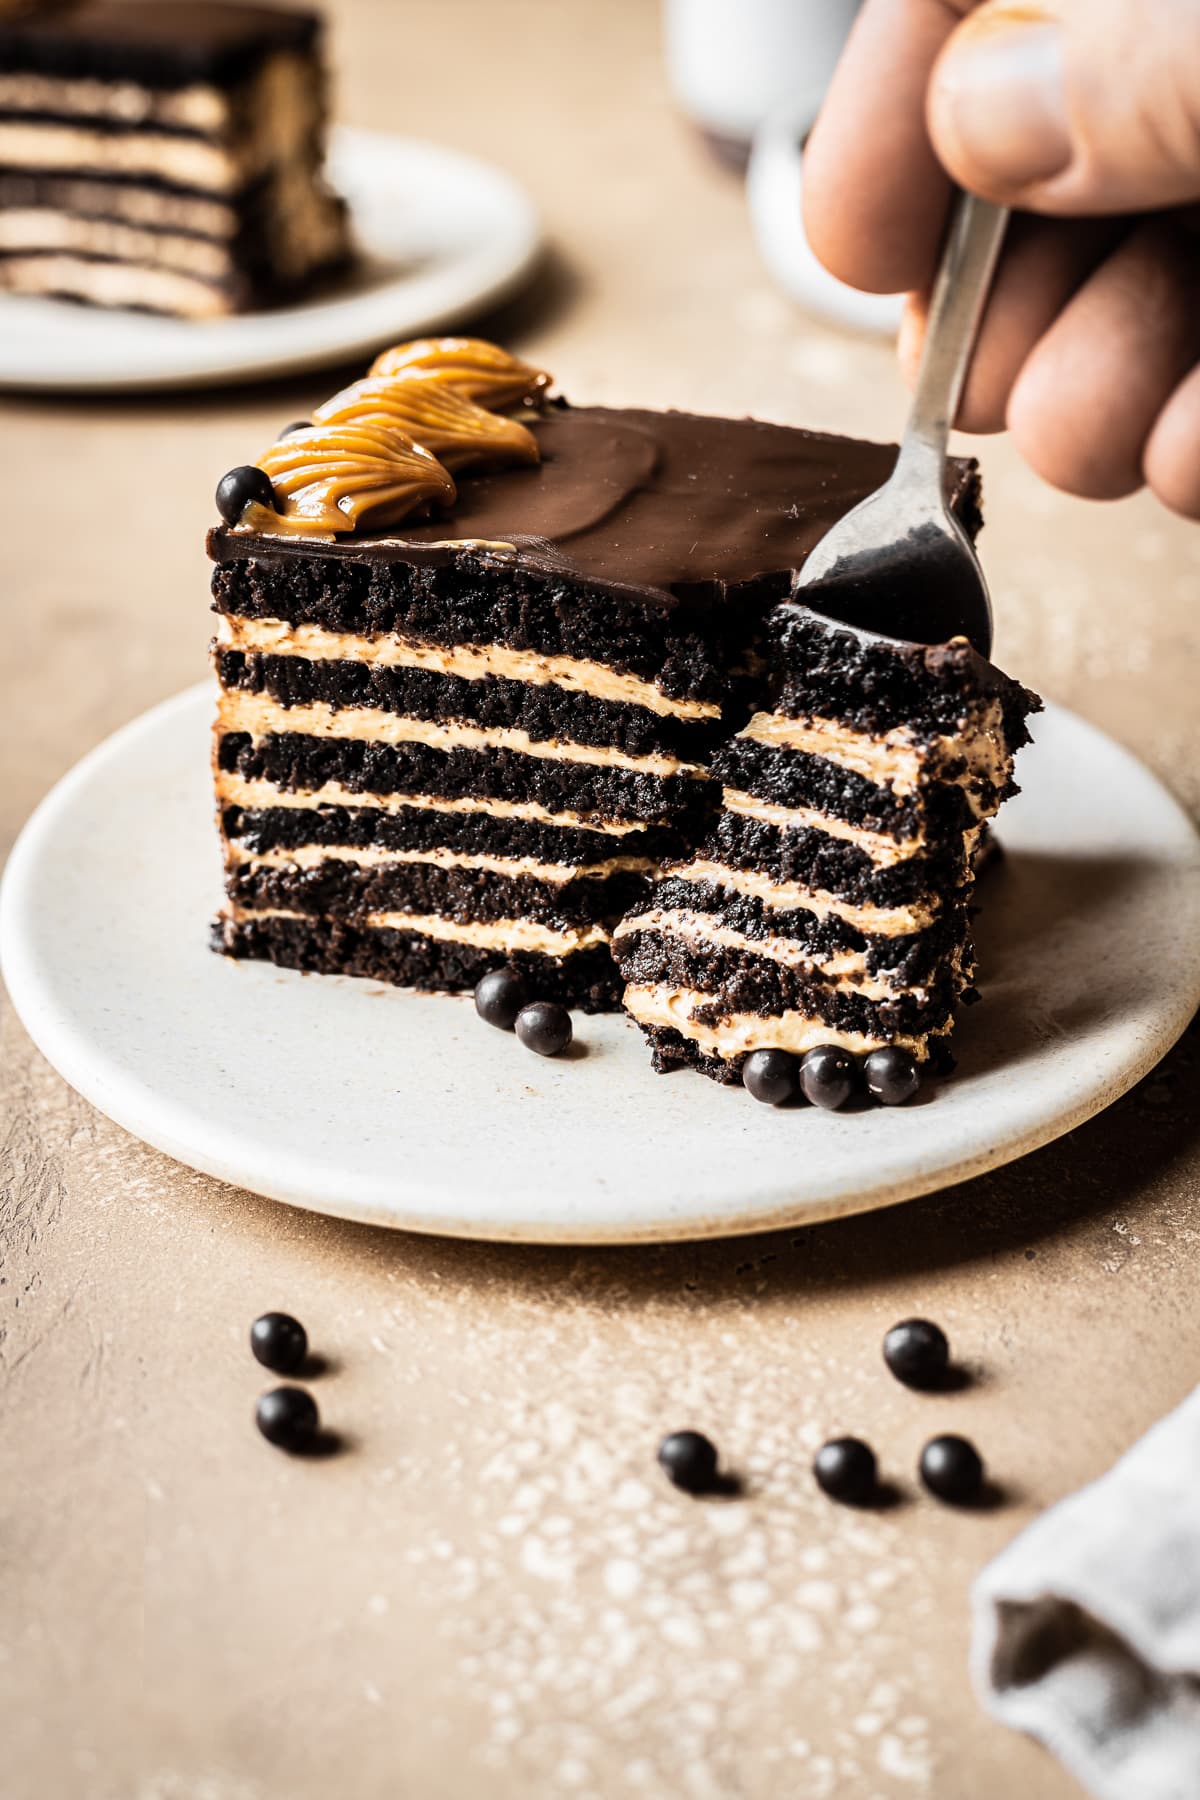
column 1173, row 475
column 1168, row 117
column 1048, row 437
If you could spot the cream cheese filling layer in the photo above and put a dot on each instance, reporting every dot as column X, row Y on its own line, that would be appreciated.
column 136, row 205
column 897, row 759
column 237, row 711
column 499, row 934
column 113, row 284
column 473, row 662
column 791, row 896
column 195, row 108
column 885, row 852
column 234, row 790
column 894, row 760
column 191, row 162
column 657, row 1004
column 43, row 229
column 313, row 856
column 845, row 969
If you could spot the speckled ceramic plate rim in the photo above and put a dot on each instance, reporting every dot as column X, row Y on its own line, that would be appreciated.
column 398, row 190
column 288, row 1177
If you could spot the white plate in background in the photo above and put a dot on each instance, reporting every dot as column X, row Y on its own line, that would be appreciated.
column 442, row 236
column 405, row 1110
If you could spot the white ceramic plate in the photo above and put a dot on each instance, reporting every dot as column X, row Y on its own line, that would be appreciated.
column 406, row 1110
column 441, row 236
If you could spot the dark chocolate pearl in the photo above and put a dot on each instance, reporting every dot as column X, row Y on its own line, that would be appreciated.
column 236, row 490
column 500, row 996
column 952, row 1469
column 891, row 1075
column 287, row 1417
column 279, row 1342
column 770, row 1076
column 296, row 425
column 845, row 1470
column 545, row 1027
column 827, row 1076
column 917, row 1353
column 690, row 1459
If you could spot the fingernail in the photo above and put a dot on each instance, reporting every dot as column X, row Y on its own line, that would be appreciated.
column 1002, row 90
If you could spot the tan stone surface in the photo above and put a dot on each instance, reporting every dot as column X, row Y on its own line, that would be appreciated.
column 490, row 1591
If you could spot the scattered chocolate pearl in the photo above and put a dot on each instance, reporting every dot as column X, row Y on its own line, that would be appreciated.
column 845, row 1470
column 236, row 490
column 917, row 1352
column 690, row 1460
column 500, row 996
column 288, row 1418
column 952, row 1469
column 828, row 1076
column 279, row 1342
column 891, row 1075
column 296, row 425
column 544, row 1027
column 770, row 1076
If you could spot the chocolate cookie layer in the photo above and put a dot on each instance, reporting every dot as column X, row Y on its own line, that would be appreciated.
column 426, row 828
column 326, row 946
column 343, row 890
column 584, row 789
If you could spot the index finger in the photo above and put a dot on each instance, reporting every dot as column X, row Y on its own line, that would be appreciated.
column 875, row 195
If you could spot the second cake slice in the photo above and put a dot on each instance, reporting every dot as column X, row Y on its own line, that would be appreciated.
column 828, row 905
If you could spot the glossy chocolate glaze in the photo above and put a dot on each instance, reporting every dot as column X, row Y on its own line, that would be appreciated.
column 143, row 40
column 666, row 504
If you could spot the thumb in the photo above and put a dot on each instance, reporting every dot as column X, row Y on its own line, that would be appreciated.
column 1072, row 106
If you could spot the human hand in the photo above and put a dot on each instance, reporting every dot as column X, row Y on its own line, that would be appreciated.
column 1085, row 115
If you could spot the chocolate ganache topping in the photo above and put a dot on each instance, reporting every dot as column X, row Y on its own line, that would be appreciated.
column 671, row 508
column 383, row 448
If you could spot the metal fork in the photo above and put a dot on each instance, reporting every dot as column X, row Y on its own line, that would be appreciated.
column 900, row 563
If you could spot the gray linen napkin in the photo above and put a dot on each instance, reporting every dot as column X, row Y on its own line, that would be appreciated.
column 1087, row 1627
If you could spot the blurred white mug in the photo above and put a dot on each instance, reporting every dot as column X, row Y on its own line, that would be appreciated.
column 775, row 194
column 731, row 62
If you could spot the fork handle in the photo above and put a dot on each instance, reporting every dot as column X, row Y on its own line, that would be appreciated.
column 960, row 288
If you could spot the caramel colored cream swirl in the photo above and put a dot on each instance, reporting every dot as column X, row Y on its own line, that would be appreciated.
column 334, row 478
column 471, row 366
column 439, row 418
column 384, row 447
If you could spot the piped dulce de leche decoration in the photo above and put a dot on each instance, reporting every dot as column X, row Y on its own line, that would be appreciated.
column 439, row 418
column 470, row 366
column 345, row 475
column 383, row 449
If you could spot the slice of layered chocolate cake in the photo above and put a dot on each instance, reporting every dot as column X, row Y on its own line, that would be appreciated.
column 476, row 653
column 165, row 157
column 826, row 912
